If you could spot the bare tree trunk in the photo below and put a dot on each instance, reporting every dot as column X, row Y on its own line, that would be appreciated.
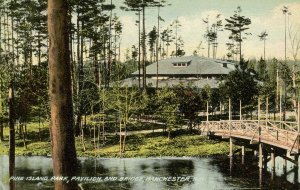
column 82, row 137
column 94, row 138
column 1, row 131
column 40, row 135
column 103, row 132
column 124, row 142
column 294, row 89
column 62, row 131
column 96, row 71
column 120, row 140
column 23, row 135
column 124, row 139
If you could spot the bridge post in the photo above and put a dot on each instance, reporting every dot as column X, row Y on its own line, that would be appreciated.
column 230, row 147
column 265, row 158
column 296, row 161
column 273, row 159
column 284, row 163
column 230, row 166
column 260, row 156
column 243, row 155
column 260, row 177
column 243, row 150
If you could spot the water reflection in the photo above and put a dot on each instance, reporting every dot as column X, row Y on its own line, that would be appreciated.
column 152, row 173
column 250, row 175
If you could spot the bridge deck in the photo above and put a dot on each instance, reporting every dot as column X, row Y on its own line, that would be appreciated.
column 279, row 134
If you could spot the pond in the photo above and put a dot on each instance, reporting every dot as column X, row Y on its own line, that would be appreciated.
column 154, row 173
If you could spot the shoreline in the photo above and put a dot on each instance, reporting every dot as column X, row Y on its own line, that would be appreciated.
column 155, row 145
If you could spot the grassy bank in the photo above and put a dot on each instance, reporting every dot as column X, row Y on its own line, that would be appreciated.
column 155, row 144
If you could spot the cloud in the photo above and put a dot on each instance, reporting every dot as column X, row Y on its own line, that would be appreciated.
column 274, row 23
column 192, row 30
column 129, row 33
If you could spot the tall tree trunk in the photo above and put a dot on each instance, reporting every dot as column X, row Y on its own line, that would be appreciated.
column 109, row 48
column 0, row 33
column 78, row 71
column 96, row 71
column 240, row 47
column 62, row 132
column 157, row 46
column 139, row 49
column 144, row 50
column 12, row 143
column 11, row 136
column 208, row 48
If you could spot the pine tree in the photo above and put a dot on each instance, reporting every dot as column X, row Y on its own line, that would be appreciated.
column 62, row 135
column 237, row 24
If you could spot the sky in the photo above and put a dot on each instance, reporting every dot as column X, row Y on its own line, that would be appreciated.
column 265, row 15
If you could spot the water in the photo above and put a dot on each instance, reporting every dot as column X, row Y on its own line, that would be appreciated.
column 148, row 173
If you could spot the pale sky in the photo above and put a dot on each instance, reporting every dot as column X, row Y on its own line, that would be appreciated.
column 264, row 14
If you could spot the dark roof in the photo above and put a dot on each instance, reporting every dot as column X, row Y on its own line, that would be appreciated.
column 195, row 66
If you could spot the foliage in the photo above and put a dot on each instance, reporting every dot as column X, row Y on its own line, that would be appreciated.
column 31, row 97
column 168, row 106
column 262, row 69
column 269, row 85
column 4, row 81
column 166, row 37
column 240, row 84
column 189, row 100
column 206, row 93
column 152, row 39
column 215, row 99
column 211, row 34
column 286, row 85
column 125, row 102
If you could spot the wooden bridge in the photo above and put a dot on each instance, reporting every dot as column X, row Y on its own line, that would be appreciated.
column 270, row 138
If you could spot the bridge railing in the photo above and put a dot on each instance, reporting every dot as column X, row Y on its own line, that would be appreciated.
column 280, row 133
